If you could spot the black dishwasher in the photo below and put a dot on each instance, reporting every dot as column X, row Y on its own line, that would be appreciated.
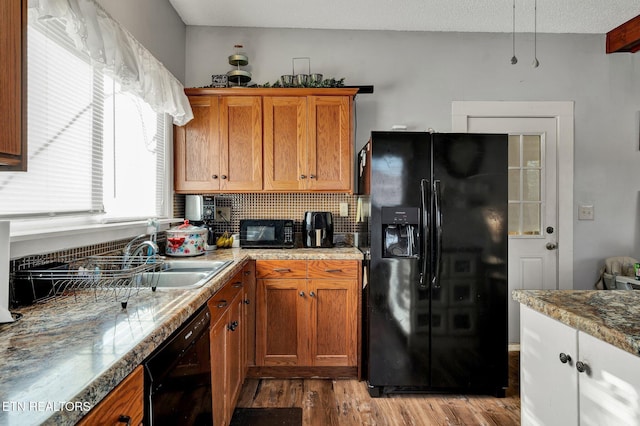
column 178, row 376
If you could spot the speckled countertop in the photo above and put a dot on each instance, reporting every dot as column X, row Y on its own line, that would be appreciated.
column 65, row 352
column 609, row 315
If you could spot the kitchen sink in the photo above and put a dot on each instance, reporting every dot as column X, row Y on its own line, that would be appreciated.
column 184, row 274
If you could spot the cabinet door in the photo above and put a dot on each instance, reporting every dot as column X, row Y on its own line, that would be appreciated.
column 13, row 138
column 281, row 322
column 329, row 143
column 548, row 387
column 610, row 387
column 218, row 342
column 285, row 143
column 334, row 322
column 197, row 148
column 249, row 287
column 127, row 400
column 241, row 143
column 235, row 364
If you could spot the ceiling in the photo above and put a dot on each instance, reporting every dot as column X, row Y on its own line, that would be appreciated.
column 553, row 16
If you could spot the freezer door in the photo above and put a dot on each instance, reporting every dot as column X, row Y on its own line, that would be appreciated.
column 469, row 296
column 398, row 309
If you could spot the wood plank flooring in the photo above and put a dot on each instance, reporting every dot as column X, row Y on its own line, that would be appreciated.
column 347, row 402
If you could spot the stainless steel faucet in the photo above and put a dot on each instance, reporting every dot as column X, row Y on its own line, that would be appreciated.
column 133, row 249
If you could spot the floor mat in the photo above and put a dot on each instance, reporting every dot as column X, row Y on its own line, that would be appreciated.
column 267, row 417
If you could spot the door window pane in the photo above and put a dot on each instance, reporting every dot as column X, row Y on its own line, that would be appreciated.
column 531, row 185
column 514, row 150
column 525, row 185
column 514, row 185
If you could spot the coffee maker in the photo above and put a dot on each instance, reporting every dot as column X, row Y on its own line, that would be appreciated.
column 318, row 229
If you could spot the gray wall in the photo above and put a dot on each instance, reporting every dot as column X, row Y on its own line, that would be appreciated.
column 417, row 76
column 156, row 25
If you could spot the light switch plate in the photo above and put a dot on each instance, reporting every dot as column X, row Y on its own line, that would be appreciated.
column 585, row 212
column 344, row 209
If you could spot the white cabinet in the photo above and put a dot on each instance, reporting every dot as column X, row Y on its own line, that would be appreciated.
column 553, row 392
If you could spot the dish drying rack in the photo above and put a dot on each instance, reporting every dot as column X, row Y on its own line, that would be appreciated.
column 101, row 278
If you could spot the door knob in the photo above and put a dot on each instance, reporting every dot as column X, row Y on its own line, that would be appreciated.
column 582, row 367
column 551, row 246
column 565, row 358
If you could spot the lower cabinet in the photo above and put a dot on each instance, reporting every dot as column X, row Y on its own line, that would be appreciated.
column 123, row 405
column 568, row 377
column 227, row 348
column 307, row 313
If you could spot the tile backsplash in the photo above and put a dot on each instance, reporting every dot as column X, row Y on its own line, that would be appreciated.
column 249, row 206
column 281, row 206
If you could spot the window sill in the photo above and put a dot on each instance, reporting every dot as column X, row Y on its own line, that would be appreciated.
column 27, row 242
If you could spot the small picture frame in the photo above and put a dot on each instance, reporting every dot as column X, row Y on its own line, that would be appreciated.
column 219, row 80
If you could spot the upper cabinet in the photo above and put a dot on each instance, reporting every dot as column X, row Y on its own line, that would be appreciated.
column 13, row 140
column 307, row 143
column 268, row 140
column 221, row 148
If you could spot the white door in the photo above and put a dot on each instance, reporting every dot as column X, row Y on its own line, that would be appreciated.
column 540, row 189
column 533, row 214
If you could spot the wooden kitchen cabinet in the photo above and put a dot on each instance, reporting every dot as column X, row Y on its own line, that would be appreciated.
column 221, row 148
column 123, row 405
column 13, row 79
column 227, row 348
column 307, row 143
column 249, row 289
column 605, row 392
column 266, row 140
column 306, row 314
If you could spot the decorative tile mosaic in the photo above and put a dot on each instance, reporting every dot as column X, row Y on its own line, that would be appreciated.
column 243, row 206
column 282, row 206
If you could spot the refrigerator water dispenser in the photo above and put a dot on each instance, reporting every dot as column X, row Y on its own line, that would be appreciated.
column 400, row 230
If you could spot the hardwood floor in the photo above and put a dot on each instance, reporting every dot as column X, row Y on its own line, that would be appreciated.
column 347, row 402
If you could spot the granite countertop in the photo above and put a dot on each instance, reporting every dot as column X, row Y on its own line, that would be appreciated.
column 610, row 315
column 65, row 351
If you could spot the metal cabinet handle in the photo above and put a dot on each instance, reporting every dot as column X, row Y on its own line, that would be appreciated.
column 332, row 271
column 247, row 302
column 124, row 419
column 222, row 303
column 233, row 326
column 312, row 176
column 301, row 294
column 214, row 176
column 312, row 294
column 303, row 176
column 223, row 176
column 282, row 270
column 237, row 284
column 247, row 273
column 565, row 358
column 582, row 367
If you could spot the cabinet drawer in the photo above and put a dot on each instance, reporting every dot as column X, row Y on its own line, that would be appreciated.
column 281, row 269
column 220, row 302
column 333, row 268
column 125, row 401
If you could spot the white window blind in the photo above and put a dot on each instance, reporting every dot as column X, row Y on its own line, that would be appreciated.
column 92, row 149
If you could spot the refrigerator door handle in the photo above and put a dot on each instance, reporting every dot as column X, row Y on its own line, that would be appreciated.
column 435, row 280
column 426, row 225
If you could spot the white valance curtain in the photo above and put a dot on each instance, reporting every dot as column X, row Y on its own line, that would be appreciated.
column 117, row 53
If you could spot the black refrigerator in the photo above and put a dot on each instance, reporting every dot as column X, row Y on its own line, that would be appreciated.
column 436, row 297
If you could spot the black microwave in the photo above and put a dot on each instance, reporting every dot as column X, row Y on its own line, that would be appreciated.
column 266, row 233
